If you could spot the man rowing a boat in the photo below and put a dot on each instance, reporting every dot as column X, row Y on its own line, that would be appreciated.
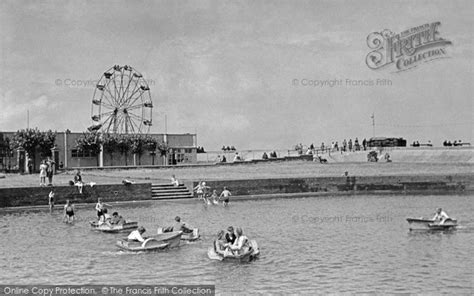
column 440, row 216
column 136, row 235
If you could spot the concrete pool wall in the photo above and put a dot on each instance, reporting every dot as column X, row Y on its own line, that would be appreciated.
column 251, row 188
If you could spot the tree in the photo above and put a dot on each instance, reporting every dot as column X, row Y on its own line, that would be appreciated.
column 26, row 139
column 123, row 145
column 90, row 141
column 138, row 145
column 5, row 150
column 163, row 148
column 46, row 142
column 31, row 140
column 151, row 144
column 110, row 145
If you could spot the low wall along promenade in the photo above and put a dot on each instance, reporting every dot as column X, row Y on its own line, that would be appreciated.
column 37, row 196
column 250, row 189
column 268, row 188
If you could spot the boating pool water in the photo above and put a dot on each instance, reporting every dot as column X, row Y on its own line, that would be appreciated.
column 308, row 245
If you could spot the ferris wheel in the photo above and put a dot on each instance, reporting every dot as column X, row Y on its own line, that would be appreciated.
column 122, row 102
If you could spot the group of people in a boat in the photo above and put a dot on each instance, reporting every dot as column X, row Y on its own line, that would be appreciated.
column 137, row 235
column 203, row 192
column 232, row 243
column 104, row 216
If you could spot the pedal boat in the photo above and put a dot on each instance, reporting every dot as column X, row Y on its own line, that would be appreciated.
column 114, row 228
column 248, row 256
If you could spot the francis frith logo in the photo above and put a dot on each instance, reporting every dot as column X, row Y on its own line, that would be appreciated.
column 407, row 49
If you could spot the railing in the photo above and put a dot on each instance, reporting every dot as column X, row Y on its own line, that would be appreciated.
column 248, row 155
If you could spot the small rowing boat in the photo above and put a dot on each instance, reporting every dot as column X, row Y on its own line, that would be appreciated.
column 248, row 256
column 113, row 228
column 191, row 236
column 429, row 224
column 171, row 238
column 150, row 244
column 448, row 224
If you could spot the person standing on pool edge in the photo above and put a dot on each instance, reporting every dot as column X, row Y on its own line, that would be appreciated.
column 50, row 171
column 51, row 200
column 43, row 167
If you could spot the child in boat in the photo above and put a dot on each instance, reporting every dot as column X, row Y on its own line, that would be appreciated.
column 230, row 235
column 117, row 219
column 136, row 235
column 241, row 244
column 105, row 218
column 68, row 212
column 219, row 243
column 440, row 216
column 179, row 226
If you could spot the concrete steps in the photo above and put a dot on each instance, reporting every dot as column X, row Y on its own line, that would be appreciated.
column 169, row 191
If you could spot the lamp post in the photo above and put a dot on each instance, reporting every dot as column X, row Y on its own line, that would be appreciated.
column 373, row 124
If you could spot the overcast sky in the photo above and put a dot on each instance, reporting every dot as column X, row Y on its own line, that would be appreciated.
column 232, row 71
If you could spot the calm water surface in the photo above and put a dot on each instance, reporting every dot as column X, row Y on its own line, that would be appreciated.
column 308, row 245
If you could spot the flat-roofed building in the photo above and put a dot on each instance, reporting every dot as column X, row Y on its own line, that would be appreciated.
column 182, row 149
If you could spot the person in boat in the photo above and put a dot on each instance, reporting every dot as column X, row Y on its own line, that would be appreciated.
column 226, row 195
column 178, row 226
column 237, row 157
column 230, row 235
column 241, row 244
column 219, row 243
column 117, row 219
column 68, row 212
column 136, row 235
column 440, row 216
column 105, row 218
